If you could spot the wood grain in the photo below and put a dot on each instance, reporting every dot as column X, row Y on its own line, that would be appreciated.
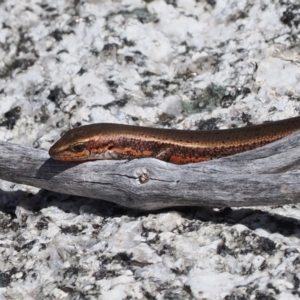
column 265, row 176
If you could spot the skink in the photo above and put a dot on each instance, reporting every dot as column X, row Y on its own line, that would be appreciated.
column 115, row 141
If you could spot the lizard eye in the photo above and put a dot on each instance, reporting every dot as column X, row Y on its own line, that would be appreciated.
column 77, row 148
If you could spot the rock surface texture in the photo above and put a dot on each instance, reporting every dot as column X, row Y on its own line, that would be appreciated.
column 186, row 64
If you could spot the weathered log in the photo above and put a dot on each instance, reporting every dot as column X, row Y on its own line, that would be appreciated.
column 264, row 176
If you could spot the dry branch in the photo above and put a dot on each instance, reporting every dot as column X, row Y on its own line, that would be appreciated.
column 265, row 176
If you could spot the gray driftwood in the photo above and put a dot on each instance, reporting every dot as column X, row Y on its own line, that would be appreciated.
column 266, row 176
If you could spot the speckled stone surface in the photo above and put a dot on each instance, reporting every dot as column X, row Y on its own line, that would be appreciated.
column 183, row 64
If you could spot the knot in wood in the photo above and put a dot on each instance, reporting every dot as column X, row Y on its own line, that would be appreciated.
column 143, row 178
